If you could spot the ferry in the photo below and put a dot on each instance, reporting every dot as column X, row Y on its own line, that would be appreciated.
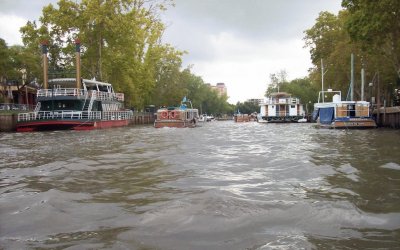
column 177, row 117
column 339, row 114
column 65, row 107
column 74, row 104
column 281, row 107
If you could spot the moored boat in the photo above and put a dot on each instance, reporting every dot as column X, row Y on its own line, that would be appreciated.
column 64, row 107
column 281, row 107
column 241, row 117
column 339, row 114
column 74, row 104
column 177, row 117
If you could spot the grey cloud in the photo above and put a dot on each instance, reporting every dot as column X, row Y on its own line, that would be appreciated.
column 29, row 9
column 272, row 19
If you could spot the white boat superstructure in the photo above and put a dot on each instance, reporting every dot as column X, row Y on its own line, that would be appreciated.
column 281, row 107
column 342, row 114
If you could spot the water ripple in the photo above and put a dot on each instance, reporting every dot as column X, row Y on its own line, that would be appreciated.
column 223, row 185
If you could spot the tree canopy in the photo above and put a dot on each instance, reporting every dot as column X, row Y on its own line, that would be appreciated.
column 121, row 44
column 333, row 39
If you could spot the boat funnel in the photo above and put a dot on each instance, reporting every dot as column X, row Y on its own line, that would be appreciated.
column 45, row 65
column 78, row 63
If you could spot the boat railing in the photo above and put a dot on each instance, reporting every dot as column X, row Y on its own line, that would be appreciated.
column 13, row 106
column 105, row 96
column 117, row 115
column 277, row 101
column 99, row 95
column 61, row 92
column 59, row 114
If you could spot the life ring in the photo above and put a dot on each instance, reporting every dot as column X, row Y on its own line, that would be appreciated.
column 164, row 114
column 173, row 114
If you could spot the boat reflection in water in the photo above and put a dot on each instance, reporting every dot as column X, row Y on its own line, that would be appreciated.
column 219, row 186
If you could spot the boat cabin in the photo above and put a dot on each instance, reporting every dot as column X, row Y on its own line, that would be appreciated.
column 281, row 107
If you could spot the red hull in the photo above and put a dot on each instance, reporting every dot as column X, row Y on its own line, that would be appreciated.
column 174, row 124
column 68, row 125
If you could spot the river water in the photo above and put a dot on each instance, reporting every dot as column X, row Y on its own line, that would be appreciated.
column 223, row 185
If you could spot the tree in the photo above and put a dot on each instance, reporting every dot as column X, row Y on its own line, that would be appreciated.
column 247, row 107
column 121, row 42
column 277, row 79
column 330, row 41
column 376, row 25
column 4, row 67
column 13, row 60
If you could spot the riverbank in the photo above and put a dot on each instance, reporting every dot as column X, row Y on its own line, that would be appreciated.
column 388, row 117
column 8, row 121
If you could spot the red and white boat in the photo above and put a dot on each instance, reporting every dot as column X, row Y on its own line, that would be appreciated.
column 177, row 117
column 64, row 107
column 74, row 103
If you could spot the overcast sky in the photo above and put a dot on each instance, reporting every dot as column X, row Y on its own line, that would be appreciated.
column 237, row 42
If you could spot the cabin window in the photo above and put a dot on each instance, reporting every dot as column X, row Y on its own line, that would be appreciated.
column 293, row 106
column 352, row 110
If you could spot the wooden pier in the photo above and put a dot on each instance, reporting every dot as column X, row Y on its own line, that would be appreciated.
column 388, row 117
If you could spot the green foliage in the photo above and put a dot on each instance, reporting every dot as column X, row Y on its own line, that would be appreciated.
column 330, row 40
column 375, row 24
column 303, row 88
column 277, row 80
column 247, row 107
column 175, row 85
column 13, row 60
column 121, row 44
column 5, row 59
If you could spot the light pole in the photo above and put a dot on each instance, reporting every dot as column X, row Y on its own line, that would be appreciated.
column 23, row 72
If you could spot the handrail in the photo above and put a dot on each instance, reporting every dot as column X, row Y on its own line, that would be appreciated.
column 277, row 101
column 13, row 106
column 73, row 114
column 99, row 95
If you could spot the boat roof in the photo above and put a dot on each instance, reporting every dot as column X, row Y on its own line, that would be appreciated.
column 280, row 94
column 72, row 82
column 334, row 104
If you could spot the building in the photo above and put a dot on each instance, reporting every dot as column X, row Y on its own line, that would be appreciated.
column 16, row 95
column 220, row 88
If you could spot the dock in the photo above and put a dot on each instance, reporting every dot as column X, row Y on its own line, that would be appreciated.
column 388, row 117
